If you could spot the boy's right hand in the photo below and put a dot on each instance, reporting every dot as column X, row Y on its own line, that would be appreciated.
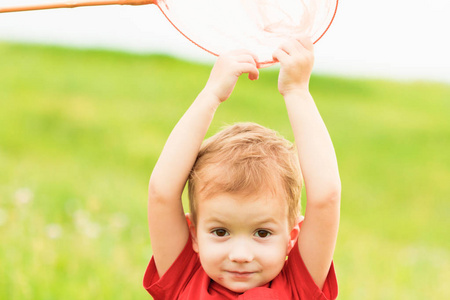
column 227, row 70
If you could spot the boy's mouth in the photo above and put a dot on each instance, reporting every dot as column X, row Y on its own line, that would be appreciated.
column 240, row 274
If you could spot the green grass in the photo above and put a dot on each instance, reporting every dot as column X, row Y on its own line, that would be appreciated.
column 81, row 130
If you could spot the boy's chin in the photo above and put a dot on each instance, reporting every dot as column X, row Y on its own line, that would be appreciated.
column 240, row 287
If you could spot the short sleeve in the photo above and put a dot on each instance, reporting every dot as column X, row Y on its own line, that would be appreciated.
column 301, row 282
column 173, row 282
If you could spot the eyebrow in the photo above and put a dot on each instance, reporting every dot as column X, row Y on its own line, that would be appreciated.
column 214, row 219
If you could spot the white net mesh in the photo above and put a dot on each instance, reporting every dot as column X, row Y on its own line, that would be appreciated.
column 256, row 25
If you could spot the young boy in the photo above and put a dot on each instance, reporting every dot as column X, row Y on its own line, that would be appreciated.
column 244, row 191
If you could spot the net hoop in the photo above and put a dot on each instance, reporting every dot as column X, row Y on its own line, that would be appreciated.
column 262, row 64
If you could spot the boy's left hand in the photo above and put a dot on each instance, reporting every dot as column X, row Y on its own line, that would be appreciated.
column 296, row 58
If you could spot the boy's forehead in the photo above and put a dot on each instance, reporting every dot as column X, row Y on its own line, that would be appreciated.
column 257, row 207
column 266, row 191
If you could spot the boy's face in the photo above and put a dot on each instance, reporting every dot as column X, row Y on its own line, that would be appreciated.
column 242, row 241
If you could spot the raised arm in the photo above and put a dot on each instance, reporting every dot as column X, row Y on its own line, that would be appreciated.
column 167, row 224
column 317, row 238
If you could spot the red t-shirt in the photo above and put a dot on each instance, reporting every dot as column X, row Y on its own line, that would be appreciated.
column 186, row 280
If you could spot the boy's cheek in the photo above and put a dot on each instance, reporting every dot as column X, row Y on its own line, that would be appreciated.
column 209, row 246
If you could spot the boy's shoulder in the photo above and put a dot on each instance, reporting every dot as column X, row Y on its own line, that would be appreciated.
column 185, row 271
column 296, row 279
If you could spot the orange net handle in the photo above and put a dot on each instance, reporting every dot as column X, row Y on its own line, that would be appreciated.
column 75, row 3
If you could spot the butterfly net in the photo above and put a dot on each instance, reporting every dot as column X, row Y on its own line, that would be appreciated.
column 260, row 26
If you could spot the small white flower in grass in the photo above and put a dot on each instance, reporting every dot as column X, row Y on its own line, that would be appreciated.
column 81, row 218
column 93, row 230
column 119, row 221
column 3, row 217
column 85, row 226
column 23, row 196
column 54, row 231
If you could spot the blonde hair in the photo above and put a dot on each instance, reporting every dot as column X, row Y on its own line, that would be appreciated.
column 246, row 158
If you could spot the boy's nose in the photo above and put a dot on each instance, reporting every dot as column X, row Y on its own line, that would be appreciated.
column 241, row 252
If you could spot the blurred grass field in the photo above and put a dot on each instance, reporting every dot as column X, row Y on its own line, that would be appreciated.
column 80, row 131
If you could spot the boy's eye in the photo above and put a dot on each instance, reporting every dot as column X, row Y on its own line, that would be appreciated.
column 262, row 233
column 220, row 232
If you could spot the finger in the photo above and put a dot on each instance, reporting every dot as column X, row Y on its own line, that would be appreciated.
column 254, row 57
column 254, row 74
column 306, row 42
column 280, row 55
column 251, row 69
column 289, row 47
column 247, row 58
column 244, row 52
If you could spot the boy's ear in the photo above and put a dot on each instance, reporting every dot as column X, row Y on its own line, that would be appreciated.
column 192, row 231
column 293, row 236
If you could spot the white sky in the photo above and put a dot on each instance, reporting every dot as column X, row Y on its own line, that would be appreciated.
column 401, row 39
